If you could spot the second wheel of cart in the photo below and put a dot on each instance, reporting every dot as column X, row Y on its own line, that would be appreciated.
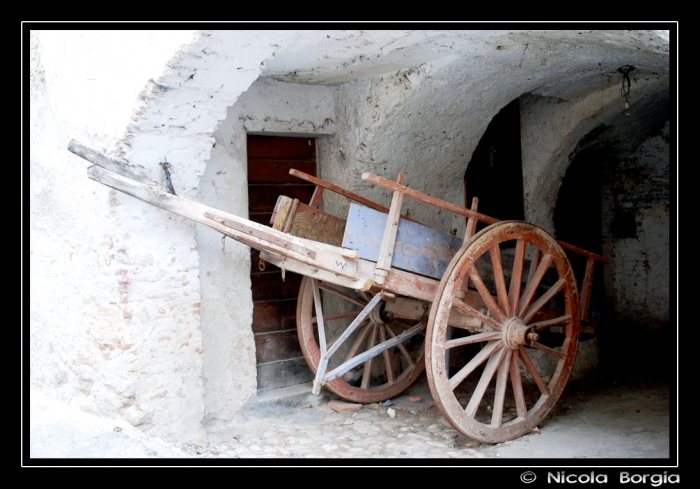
column 376, row 379
column 500, row 382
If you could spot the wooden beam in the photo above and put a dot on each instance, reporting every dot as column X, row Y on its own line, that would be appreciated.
column 340, row 191
column 441, row 204
column 386, row 249
column 338, row 260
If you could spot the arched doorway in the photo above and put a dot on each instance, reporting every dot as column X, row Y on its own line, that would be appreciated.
column 494, row 173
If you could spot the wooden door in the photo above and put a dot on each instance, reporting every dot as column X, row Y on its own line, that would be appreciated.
column 279, row 359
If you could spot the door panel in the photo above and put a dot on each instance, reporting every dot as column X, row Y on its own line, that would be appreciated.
column 279, row 360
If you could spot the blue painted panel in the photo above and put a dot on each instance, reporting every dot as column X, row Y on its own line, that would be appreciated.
column 418, row 249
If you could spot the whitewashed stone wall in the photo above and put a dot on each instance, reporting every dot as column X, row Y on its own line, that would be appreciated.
column 639, row 236
column 106, row 287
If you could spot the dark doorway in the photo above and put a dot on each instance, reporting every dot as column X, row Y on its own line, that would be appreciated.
column 279, row 360
column 578, row 220
column 495, row 174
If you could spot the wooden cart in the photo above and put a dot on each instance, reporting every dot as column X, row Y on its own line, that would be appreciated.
column 494, row 318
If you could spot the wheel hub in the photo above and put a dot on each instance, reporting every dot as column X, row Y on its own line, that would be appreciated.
column 517, row 333
column 377, row 314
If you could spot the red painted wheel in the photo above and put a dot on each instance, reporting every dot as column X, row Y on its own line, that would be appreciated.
column 503, row 380
column 378, row 379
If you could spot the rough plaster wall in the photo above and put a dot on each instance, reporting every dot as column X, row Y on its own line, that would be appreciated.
column 104, row 285
column 386, row 127
column 639, row 235
column 552, row 130
column 229, row 366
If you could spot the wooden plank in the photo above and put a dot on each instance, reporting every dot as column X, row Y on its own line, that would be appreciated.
column 334, row 258
column 441, row 204
column 586, row 289
column 426, row 199
column 360, row 283
column 277, row 171
column 280, row 212
column 275, row 147
column 341, row 191
column 418, row 249
column 316, row 225
column 278, row 345
column 275, row 375
column 261, row 234
column 110, row 164
column 391, row 226
column 268, row 286
column 274, row 315
column 262, row 198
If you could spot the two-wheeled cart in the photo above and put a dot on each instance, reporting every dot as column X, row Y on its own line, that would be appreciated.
column 494, row 318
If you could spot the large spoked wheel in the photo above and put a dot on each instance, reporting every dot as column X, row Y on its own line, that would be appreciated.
column 377, row 379
column 502, row 381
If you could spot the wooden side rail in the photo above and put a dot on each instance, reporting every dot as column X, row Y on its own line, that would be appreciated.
column 321, row 184
column 473, row 216
column 441, row 204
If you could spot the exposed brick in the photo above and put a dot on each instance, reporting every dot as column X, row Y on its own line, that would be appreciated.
column 160, row 394
column 199, row 350
column 344, row 407
column 186, row 343
column 127, row 313
column 124, row 346
column 82, row 360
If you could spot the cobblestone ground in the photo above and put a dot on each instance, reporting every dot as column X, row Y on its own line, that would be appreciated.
column 593, row 419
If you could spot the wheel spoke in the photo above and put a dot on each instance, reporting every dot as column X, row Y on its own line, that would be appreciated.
column 501, row 382
column 484, row 381
column 338, row 293
column 546, row 349
column 390, row 377
column 533, row 282
column 511, row 316
column 483, row 354
column 358, row 341
column 517, row 275
column 533, row 371
column 402, row 349
column 342, row 305
column 367, row 374
column 337, row 316
column 470, row 311
column 551, row 322
column 486, row 295
column 517, row 382
column 546, row 297
column 502, row 294
column 536, row 255
column 475, row 338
